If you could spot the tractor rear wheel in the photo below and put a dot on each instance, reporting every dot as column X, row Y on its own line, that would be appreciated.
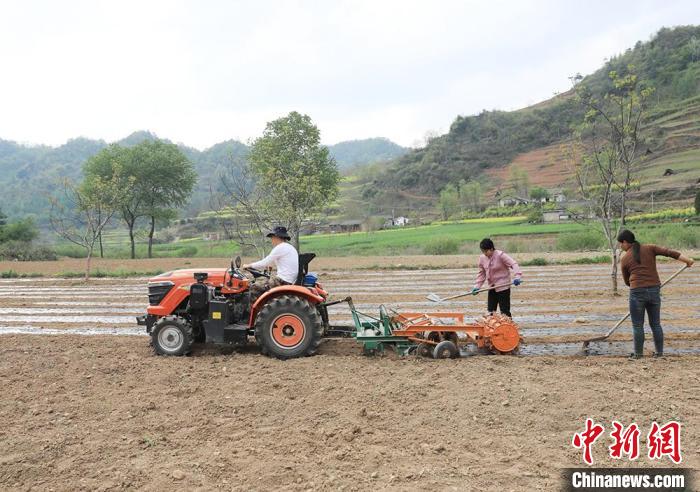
column 288, row 327
column 172, row 335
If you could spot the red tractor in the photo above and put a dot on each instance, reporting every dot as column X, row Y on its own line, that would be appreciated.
column 215, row 306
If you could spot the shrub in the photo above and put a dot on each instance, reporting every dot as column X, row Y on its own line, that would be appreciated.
column 23, row 251
column 23, row 230
column 535, row 262
column 535, row 216
column 69, row 250
column 663, row 215
column 187, row 251
column 13, row 274
column 672, row 236
column 442, row 245
column 580, row 241
column 592, row 261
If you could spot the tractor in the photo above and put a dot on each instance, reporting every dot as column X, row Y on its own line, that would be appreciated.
column 214, row 305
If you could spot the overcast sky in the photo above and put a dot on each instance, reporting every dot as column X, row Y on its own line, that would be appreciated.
column 199, row 72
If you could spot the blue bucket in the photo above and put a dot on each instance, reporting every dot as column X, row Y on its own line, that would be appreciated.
column 310, row 279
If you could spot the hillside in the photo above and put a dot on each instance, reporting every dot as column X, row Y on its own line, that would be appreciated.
column 28, row 175
column 484, row 147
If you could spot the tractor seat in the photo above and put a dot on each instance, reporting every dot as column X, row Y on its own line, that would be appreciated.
column 304, row 260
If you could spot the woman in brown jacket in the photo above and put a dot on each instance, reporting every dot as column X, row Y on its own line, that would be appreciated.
column 640, row 275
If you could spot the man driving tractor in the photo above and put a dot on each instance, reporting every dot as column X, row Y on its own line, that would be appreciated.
column 283, row 256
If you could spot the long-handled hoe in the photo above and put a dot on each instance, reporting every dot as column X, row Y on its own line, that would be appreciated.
column 599, row 338
column 436, row 298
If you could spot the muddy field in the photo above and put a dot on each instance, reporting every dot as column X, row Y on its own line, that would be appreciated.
column 101, row 412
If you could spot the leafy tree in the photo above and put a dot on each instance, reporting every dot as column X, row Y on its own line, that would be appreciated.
column 697, row 202
column 538, row 193
column 609, row 158
column 3, row 219
column 23, row 230
column 295, row 171
column 156, row 178
column 470, row 195
column 164, row 180
column 520, row 181
column 113, row 164
column 449, row 201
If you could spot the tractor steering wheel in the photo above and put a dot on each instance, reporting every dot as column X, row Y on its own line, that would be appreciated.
column 235, row 266
column 258, row 273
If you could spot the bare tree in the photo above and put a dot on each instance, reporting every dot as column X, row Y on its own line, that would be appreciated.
column 605, row 154
column 242, row 207
column 82, row 212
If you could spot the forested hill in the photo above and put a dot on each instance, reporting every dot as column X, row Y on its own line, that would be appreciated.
column 670, row 62
column 358, row 152
column 28, row 175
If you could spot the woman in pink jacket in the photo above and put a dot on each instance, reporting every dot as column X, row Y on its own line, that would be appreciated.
column 494, row 268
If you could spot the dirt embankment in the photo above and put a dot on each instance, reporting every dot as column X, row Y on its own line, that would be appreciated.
column 103, row 413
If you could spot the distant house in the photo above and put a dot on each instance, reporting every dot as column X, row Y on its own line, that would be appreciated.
column 551, row 216
column 509, row 201
column 554, row 196
column 557, row 196
column 345, row 226
column 396, row 222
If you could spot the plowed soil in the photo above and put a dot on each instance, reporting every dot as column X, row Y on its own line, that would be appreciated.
column 102, row 412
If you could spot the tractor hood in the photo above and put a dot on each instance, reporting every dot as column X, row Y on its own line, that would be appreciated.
column 216, row 275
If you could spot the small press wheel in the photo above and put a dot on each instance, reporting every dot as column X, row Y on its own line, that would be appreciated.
column 424, row 350
column 445, row 350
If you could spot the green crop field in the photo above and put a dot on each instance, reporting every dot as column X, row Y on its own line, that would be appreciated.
column 414, row 239
column 511, row 233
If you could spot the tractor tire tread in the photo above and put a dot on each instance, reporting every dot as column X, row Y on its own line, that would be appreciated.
column 183, row 325
column 292, row 303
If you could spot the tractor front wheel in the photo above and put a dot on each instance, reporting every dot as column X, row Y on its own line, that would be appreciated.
column 288, row 327
column 172, row 335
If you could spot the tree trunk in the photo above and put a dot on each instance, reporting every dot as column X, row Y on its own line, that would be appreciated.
column 613, row 272
column 87, row 264
column 295, row 234
column 131, row 238
column 150, row 236
column 102, row 253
